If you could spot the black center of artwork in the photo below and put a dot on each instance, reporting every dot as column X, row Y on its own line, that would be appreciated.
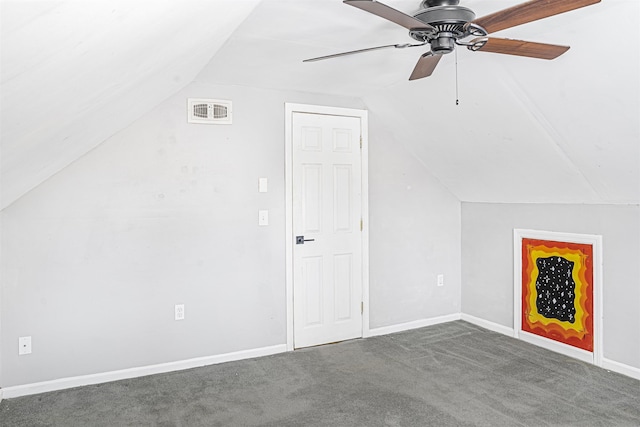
column 556, row 289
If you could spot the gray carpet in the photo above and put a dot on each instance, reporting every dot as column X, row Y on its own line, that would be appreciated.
column 454, row 374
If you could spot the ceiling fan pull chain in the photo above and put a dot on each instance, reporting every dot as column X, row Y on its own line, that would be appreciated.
column 456, row 56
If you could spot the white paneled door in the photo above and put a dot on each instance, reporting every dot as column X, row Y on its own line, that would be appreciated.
column 327, row 223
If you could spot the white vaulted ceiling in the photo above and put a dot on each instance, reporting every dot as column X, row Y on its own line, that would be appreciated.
column 525, row 130
column 76, row 72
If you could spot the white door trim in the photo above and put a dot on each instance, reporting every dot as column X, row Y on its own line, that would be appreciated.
column 291, row 108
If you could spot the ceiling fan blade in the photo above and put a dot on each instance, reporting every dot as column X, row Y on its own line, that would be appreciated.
column 527, row 12
column 521, row 48
column 425, row 66
column 351, row 52
column 389, row 13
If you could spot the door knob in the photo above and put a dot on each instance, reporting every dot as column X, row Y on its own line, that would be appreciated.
column 300, row 240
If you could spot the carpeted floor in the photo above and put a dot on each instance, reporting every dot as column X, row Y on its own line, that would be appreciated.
column 453, row 374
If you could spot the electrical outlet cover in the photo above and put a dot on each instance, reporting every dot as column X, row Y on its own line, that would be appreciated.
column 179, row 312
column 24, row 345
column 263, row 217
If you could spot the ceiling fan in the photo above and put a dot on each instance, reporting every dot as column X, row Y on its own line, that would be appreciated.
column 443, row 24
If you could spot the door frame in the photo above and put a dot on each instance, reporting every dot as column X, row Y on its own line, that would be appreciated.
column 290, row 109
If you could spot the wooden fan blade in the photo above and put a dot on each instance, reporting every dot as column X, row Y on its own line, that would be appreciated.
column 521, row 48
column 425, row 66
column 527, row 12
column 389, row 13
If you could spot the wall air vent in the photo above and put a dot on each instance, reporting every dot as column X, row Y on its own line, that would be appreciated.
column 209, row 111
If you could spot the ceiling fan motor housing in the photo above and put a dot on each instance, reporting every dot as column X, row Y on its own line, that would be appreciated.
column 448, row 18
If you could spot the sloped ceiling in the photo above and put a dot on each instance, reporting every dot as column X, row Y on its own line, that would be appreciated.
column 75, row 72
column 525, row 130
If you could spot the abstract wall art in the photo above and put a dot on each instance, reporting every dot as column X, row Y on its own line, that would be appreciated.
column 555, row 290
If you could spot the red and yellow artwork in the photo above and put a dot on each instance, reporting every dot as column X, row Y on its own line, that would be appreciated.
column 557, row 291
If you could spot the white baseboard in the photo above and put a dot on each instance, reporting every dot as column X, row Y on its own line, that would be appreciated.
column 495, row 327
column 384, row 330
column 557, row 347
column 64, row 383
column 621, row 368
column 607, row 364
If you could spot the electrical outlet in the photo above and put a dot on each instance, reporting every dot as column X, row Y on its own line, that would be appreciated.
column 440, row 279
column 179, row 311
column 263, row 217
column 24, row 345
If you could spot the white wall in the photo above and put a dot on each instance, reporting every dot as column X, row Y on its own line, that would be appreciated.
column 415, row 235
column 164, row 212
column 487, row 263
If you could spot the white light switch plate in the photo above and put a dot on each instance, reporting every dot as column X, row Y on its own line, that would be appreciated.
column 262, row 185
column 263, row 217
column 440, row 279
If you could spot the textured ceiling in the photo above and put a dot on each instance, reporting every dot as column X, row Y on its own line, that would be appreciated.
column 525, row 130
